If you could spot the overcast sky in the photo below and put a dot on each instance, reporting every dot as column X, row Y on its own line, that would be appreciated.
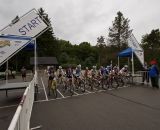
column 85, row 20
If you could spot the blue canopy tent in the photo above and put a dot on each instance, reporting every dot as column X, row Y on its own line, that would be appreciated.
column 129, row 52
column 126, row 53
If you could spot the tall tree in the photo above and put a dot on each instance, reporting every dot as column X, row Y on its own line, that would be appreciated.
column 47, row 43
column 101, row 48
column 120, row 31
column 100, row 40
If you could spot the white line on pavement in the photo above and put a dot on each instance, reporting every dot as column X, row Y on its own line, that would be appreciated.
column 76, row 93
column 8, row 106
column 88, row 91
column 44, row 89
column 60, row 93
column 37, row 127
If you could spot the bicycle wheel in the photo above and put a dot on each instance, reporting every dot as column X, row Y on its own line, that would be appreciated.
column 114, row 83
column 82, row 85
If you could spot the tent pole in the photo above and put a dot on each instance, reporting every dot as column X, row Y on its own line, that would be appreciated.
column 118, row 61
column 132, row 64
column 35, row 61
column 7, row 72
column 128, row 64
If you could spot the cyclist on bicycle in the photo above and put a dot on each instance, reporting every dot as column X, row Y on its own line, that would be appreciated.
column 94, row 72
column 78, row 71
column 124, row 70
column 69, row 80
column 51, row 79
column 115, row 70
column 86, row 73
column 60, row 74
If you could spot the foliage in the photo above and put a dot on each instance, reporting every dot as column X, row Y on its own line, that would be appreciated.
column 46, row 43
column 120, row 31
column 151, row 45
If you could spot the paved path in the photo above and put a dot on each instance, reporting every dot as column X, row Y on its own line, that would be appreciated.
column 127, row 108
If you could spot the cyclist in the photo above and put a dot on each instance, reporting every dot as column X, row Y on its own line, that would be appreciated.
column 51, row 77
column 94, row 72
column 69, row 80
column 77, row 76
column 124, row 70
column 78, row 71
column 86, row 73
column 60, row 74
column 93, row 76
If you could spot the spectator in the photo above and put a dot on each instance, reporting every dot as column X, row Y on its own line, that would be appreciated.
column 23, row 72
column 154, row 74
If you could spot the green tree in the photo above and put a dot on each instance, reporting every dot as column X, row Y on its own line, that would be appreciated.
column 47, row 43
column 152, row 40
column 64, row 57
column 101, row 49
column 120, row 31
column 151, row 45
column 90, row 61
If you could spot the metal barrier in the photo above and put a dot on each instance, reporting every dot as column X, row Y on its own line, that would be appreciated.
column 141, row 77
column 21, row 119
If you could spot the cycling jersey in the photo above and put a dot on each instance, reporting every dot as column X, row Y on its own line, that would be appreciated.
column 93, row 72
column 69, row 73
column 60, row 72
column 78, row 72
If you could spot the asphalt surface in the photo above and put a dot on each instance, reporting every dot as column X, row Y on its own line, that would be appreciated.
column 127, row 108
column 101, row 111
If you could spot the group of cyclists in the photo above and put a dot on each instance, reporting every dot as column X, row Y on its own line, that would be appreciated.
column 72, row 79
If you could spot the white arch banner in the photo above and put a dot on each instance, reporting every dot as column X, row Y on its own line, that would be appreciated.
column 138, row 50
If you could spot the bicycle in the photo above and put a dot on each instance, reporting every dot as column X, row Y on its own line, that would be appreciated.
column 79, row 83
column 69, row 86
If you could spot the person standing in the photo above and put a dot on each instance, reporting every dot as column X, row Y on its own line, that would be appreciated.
column 154, row 74
column 23, row 72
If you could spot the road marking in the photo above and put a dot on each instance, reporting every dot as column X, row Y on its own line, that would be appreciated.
column 8, row 106
column 37, row 127
column 88, row 91
column 60, row 93
column 76, row 93
column 95, row 88
column 44, row 89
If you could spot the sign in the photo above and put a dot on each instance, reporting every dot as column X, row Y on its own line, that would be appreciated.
column 133, row 43
column 20, row 33
column 29, row 25
column 10, row 45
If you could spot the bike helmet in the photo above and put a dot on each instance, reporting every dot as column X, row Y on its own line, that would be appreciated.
column 126, row 66
column 60, row 67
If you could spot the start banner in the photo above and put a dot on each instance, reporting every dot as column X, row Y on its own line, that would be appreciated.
column 30, row 24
